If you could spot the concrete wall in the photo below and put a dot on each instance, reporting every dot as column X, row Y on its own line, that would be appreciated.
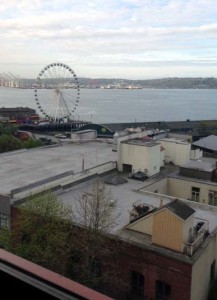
column 159, row 186
column 5, row 210
column 182, row 154
column 181, row 188
column 176, row 152
column 64, row 182
column 196, row 173
column 141, row 158
column 201, row 269
column 133, row 135
column 196, row 154
column 154, row 160
column 83, row 136
column 5, row 205
column 170, row 150
column 162, row 157
column 188, row 226
column 183, row 137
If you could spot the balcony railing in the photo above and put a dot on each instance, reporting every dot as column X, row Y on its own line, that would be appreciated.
column 197, row 239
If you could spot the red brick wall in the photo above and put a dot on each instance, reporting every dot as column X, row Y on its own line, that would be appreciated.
column 154, row 267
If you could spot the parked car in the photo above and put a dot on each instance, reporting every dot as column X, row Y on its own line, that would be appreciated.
column 60, row 136
column 45, row 140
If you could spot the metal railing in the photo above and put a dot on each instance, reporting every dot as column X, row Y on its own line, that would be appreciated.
column 197, row 239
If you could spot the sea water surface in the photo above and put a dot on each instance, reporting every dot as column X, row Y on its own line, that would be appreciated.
column 117, row 105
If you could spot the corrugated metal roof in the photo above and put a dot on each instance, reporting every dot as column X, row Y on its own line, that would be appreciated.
column 209, row 142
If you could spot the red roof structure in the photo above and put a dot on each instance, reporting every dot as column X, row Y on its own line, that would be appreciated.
column 41, row 278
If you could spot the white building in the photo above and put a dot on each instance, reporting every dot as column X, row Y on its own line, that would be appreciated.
column 177, row 151
column 83, row 136
column 128, row 133
column 139, row 155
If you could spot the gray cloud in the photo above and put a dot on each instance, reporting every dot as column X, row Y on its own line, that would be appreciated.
column 134, row 33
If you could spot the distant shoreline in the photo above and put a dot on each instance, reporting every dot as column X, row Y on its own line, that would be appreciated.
column 163, row 83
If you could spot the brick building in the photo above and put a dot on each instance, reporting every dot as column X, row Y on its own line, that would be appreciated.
column 17, row 113
column 169, row 249
column 170, row 254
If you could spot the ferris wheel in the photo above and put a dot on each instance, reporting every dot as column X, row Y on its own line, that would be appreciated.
column 57, row 92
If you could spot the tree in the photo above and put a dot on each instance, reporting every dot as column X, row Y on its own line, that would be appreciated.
column 78, row 245
column 42, row 231
column 9, row 143
column 96, row 209
column 30, row 143
column 8, row 129
column 95, row 249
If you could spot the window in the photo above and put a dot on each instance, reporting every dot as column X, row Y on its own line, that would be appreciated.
column 4, row 220
column 162, row 290
column 95, row 267
column 212, row 198
column 195, row 194
column 25, row 238
column 212, row 272
column 137, row 285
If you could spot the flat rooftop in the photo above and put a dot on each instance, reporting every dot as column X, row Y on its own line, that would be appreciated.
column 141, row 142
column 25, row 167
column 126, row 195
column 133, row 191
column 175, row 140
column 192, row 179
column 207, row 166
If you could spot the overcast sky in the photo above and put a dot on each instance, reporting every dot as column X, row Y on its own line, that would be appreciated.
column 132, row 39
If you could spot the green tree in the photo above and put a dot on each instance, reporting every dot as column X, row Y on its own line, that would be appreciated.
column 79, row 244
column 8, row 129
column 96, row 209
column 41, row 232
column 9, row 143
column 30, row 143
column 95, row 248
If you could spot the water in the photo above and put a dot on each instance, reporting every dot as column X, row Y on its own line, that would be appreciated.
column 114, row 106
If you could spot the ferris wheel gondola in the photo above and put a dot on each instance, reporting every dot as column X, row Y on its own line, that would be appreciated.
column 57, row 92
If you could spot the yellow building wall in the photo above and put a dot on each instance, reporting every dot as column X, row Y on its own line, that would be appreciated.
column 201, row 271
column 167, row 230
column 143, row 225
column 182, row 189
